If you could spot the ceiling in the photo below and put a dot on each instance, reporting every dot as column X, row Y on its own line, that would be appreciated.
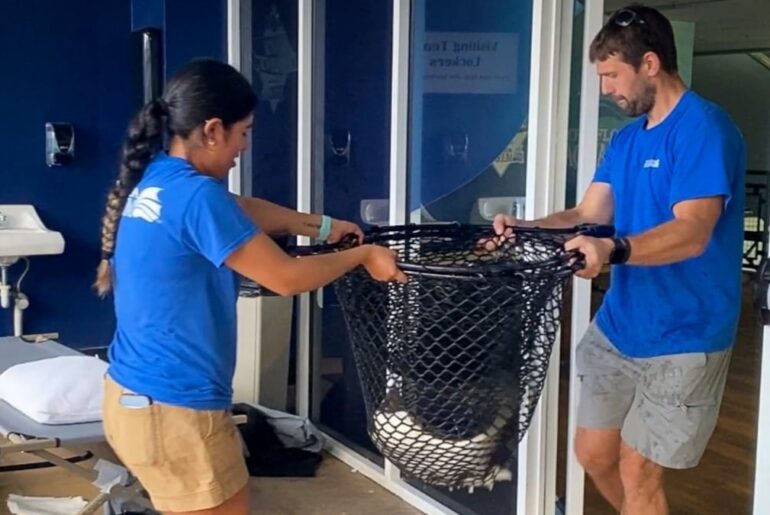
column 720, row 25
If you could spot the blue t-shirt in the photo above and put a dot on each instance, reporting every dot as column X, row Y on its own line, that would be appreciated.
column 692, row 305
column 175, row 302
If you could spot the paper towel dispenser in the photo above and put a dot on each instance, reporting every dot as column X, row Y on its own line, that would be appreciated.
column 59, row 143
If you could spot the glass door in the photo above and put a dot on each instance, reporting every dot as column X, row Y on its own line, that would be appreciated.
column 410, row 111
column 351, row 128
column 469, row 102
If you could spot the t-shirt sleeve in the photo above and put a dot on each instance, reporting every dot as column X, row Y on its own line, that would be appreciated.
column 604, row 170
column 704, row 164
column 214, row 223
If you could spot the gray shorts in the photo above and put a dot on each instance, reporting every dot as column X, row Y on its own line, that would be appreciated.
column 665, row 407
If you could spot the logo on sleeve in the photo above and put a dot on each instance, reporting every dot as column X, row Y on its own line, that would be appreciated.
column 144, row 204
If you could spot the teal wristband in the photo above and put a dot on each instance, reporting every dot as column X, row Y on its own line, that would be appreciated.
column 326, row 228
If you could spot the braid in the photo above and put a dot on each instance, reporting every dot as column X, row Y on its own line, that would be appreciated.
column 143, row 141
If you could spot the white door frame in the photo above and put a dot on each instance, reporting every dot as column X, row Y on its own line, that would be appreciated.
column 546, row 176
column 762, row 474
column 581, row 291
column 234, row 59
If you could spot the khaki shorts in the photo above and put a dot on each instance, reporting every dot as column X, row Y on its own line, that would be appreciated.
column 666, row 407
column 186, row 459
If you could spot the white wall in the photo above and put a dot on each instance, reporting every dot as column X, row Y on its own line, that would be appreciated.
column 742, row 87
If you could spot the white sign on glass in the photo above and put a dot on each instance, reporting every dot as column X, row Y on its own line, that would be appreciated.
column 469, row 62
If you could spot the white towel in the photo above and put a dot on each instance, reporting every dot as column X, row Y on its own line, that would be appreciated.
column 21, row 505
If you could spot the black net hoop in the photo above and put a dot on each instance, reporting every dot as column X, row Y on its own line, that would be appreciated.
column 452, row 362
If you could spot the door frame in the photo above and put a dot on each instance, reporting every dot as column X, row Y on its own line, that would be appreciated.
column 547, row 135
column 588, row 141
column 762, row 472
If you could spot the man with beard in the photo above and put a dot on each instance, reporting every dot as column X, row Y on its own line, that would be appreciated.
column 653, row 363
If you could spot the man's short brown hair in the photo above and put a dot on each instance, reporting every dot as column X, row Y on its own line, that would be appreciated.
column 633, row 31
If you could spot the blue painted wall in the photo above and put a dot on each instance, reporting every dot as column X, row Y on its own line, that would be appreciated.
column 194, row 28
column 77, row 61
column 74, row 62
column 191, row 28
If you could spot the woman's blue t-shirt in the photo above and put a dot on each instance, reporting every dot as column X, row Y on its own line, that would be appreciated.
column 175, row 302
column 693, row 305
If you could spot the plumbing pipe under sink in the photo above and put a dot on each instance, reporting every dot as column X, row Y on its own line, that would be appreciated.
column 22, row 234
column 5, row 288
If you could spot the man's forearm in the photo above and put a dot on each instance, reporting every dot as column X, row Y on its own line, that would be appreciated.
column 568, row 218
column 668, row 243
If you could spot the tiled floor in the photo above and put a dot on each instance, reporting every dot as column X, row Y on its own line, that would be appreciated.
column 336, row 490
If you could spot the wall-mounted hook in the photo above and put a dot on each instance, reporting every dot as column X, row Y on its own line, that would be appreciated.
column 339, row 144
column 456, row 146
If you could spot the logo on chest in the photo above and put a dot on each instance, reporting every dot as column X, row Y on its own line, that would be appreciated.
column 652, row 163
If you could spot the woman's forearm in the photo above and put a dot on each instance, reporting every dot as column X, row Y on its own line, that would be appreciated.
column 262, row 261
column 276, row 220
column 312, row 272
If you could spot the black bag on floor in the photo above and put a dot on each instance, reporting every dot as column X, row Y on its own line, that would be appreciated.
column 266, row 456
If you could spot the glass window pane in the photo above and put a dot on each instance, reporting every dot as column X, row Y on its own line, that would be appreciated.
column 352, row 84
column 468, row 107
column 269, row 166
column 469, row 99
column 270, row 61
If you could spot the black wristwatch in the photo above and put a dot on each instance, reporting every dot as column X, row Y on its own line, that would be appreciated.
column 621, row 251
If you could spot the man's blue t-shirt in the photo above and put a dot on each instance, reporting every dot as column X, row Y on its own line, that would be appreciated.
column 175, row 302
column 693, row 305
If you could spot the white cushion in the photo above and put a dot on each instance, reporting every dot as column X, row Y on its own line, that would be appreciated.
column 61, row 390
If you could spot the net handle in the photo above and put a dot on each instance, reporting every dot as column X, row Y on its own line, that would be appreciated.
column 349, row 241
column 443, row 271
column 574, row 259
column 592, row 230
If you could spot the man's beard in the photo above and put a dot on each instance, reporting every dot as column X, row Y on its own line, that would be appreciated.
column 642, row 103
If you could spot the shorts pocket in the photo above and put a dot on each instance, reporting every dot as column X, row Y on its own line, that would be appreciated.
column 674, row 380
column 207, row 422
column 137, row 436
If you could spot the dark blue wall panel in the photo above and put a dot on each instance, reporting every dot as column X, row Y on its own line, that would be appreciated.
column 147, row 14
column 79, row 62
column 76, row 62
column 194, row 28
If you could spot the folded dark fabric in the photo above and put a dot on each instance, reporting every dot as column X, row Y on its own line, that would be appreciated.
column 266, row 455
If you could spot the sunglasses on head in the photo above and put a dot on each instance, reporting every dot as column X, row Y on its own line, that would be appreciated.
column 626, row 17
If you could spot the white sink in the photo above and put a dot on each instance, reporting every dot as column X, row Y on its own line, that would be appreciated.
column 23, row 234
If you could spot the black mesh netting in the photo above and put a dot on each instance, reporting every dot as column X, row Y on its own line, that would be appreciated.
column 453, row 361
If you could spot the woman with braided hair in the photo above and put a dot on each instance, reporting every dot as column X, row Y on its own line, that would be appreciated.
column 173, row 238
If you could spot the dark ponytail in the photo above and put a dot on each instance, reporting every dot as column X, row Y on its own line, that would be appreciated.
column 144, row 140
column 203, row 90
